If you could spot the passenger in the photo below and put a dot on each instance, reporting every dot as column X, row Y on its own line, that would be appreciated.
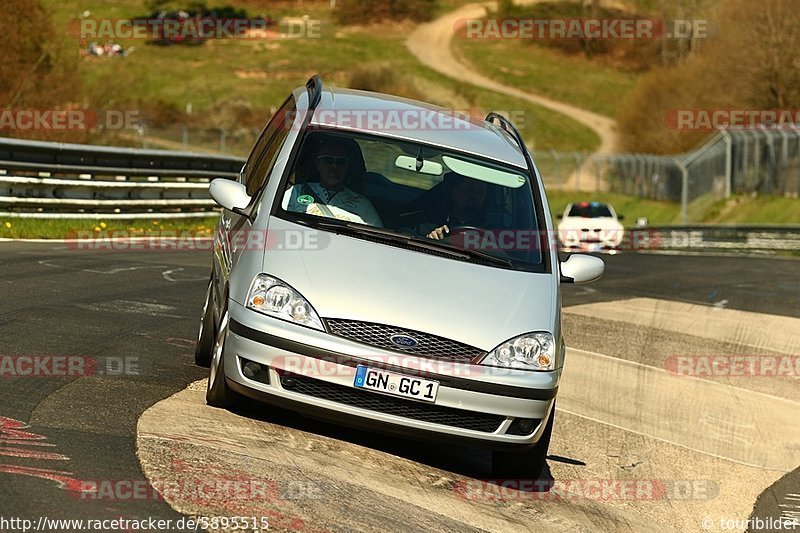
column 465, row 207
column 329, row 196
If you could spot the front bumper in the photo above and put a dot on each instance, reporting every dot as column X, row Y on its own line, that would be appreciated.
column 313, row 372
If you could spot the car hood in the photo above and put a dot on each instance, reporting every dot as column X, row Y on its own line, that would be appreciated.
column 347, row 277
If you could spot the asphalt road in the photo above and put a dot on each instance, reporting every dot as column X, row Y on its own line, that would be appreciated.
column 116, row 308
column 126, row 322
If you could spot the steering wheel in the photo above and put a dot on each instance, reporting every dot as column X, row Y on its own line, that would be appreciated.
column 482, row 233
column 454, row 230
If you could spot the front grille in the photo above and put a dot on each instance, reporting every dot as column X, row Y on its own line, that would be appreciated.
column 372, row 401
column 380, row 335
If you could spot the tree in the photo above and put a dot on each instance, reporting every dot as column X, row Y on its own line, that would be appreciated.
column 750, row 62
column 36, row 71
column 758, row 50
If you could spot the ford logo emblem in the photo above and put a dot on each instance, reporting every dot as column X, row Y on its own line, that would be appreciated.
column 404, row 340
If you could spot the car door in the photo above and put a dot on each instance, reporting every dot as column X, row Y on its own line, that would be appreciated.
column 231, row 236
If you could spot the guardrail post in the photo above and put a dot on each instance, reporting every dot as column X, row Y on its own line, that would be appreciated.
column 728, row 160
column 684, row 191
column 745, row 159
column 596, row 176
column 797, row 188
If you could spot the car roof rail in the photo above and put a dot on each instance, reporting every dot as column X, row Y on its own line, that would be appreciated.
column 314, row 88
column 511, row 130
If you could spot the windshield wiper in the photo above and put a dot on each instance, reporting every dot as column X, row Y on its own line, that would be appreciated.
column 340, row 226
column 477, row 254
column 343, row 226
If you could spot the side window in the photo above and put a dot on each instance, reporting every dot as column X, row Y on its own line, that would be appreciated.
column 269, row 145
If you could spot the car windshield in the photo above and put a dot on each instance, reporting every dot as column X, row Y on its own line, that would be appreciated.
column 589, row 210
column 407, row 193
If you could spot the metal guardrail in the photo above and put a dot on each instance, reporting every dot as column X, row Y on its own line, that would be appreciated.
column 727, row 239
column 56, row 180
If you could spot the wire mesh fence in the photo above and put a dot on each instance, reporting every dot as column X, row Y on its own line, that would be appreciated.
column 558, row 167
column 766, row 161
column 757, row 161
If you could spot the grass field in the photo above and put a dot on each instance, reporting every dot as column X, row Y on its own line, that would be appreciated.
column 630, row 206
column 548, row 72
column 259, row 73
column 26, row 228
column 741, row 209
column 746, row 209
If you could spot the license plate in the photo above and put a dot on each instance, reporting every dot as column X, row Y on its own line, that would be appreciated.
column 396, row 384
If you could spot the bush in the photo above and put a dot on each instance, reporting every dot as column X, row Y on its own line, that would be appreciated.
column 384, row 79
column 627, row 54
column 370, row 11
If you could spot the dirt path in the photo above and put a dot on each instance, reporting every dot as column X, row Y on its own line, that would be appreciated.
column 431, row 44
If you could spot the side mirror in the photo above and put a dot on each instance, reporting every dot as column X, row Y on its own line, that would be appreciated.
column 559, row 216
column 620, row 217
column 580, row 268
column 229, row 194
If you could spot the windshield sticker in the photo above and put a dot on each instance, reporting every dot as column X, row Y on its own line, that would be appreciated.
column 305, row 199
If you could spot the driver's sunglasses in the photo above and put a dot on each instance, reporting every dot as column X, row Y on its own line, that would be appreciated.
column 333, row 160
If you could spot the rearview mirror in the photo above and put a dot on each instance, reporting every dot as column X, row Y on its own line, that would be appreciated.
column 229, row 194
column 580, row 268
column 407, row 162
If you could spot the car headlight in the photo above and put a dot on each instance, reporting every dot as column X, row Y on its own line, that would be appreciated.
column 273, row 297
column 532, row 351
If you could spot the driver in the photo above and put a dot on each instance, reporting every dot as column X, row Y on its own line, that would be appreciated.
column 329, row 197
column 467, row 202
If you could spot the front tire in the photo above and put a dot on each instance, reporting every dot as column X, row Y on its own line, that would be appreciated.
column 528, row 464
column 204, row 348
column 218, row 393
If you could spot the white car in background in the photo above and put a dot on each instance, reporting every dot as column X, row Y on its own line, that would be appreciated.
column 590, row 227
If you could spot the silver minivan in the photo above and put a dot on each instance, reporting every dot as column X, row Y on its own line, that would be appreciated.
column 391, row 265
